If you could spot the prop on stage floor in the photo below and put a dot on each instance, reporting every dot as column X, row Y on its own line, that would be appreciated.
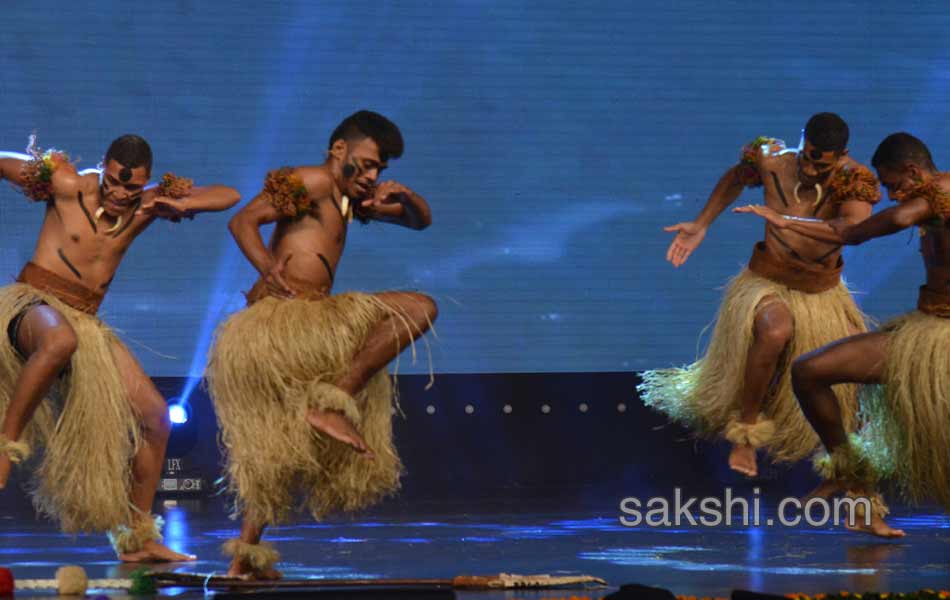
column 73, row 580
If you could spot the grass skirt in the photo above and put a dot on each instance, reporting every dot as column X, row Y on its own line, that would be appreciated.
column 706, row 394
column 270, row 364
column 85, row 430
column 907, row 419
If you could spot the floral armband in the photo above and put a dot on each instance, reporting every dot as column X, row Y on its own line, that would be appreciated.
column 936, row 196
column 173, row 186
column 286, row 192
column 748, row 168
column 854, row 183
column 37, row 173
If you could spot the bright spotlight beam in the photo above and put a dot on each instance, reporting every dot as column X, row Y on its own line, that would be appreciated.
column 177, row 414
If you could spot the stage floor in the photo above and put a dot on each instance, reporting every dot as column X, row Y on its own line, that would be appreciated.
column 438, row 544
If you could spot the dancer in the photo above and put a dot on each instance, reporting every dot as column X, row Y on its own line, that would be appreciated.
column 905, row 435
column 68, row 385
column 298, row 378
column 789, row 300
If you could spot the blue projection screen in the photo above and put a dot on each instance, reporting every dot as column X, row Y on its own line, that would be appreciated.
column 553, row 140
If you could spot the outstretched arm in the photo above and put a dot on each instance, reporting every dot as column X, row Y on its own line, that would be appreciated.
column 906, row 214
column 11, row 166
column 395, row 203
column 727, row 189
column 851, row 213
column 845, row 231
column 175, row 198
column 691, row 233
column 211, row 198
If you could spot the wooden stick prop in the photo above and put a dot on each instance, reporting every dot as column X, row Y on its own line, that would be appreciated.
column 73, row 580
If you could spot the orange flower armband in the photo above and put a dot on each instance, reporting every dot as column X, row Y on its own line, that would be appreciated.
column 854, row 183
column 286, row 192
column 173, row 186
column 37, row 173
column 748, row 167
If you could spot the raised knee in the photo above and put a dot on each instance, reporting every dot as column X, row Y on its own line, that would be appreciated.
column 774, row 334
column 153, row 415
column 59, row 345
column 421, row 310
column 430, row 310
column 804, row 372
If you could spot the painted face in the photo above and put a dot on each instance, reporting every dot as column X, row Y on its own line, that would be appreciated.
column 362, row 167
column 121, row 187
column 815, row 165
column 897, row 182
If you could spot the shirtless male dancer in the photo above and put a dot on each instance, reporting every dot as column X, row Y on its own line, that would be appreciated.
column 906, row 435
column 298, row 378
column 790, row 299
column 67, row 383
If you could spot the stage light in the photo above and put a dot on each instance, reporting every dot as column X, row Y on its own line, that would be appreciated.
column 177, row 414
column 182, row 474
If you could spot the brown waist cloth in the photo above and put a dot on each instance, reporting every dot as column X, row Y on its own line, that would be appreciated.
column 796, row 275
column 303, row 289
column 934, row 302
column 68, row 292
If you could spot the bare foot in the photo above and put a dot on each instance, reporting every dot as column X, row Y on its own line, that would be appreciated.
column 742, row 460
column 5, row 466
column 337, row 426
column 877, row 527
column 153, row 551
column 245, row 571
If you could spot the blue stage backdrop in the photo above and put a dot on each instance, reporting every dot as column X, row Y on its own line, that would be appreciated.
column 553, row 140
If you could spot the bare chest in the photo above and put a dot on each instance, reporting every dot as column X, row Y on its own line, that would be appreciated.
column 81, row 228
column 785, row 194
column 320, row 235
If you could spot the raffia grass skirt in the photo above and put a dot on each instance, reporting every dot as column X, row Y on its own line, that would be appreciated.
column 272, row 362
column 85, row 431
column 705, row 395
column 907, row 419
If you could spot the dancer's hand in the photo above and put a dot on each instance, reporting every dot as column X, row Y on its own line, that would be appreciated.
column 390, row 192
column 388, row 199
column 274, row 279
column 688, row 237
column 395, row 203
column 765, row 212
column 164, row 208
column 839, row 225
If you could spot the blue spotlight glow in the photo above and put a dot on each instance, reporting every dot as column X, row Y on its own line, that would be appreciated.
column 280, row 100
column 178, row 414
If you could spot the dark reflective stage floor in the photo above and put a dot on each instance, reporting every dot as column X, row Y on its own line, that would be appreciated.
column 527, row 482
column 685, row 560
